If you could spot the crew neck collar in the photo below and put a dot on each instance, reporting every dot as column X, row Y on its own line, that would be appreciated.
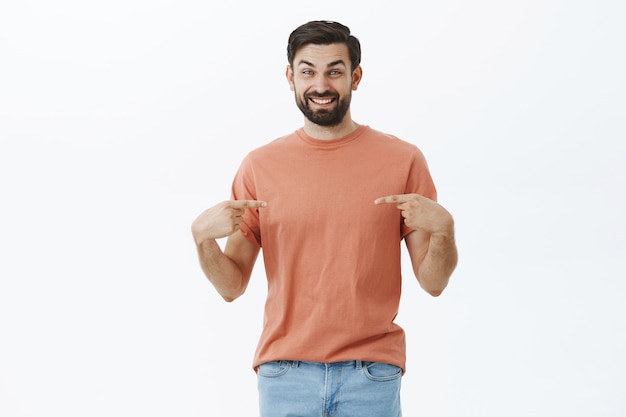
column 332, row 143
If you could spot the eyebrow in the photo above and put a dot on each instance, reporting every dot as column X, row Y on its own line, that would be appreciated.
column 331, row 64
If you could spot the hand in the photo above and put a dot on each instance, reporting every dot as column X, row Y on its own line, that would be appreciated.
column 222, row 220
column 421, row 213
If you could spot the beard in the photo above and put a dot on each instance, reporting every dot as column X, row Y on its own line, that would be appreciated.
column 323, row 117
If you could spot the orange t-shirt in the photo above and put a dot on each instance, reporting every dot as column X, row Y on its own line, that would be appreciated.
column 332, row 257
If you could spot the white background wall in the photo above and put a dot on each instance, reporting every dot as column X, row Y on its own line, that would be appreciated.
column 121, row 121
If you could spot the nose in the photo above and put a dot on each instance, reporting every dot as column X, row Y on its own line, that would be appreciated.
column 320, row 83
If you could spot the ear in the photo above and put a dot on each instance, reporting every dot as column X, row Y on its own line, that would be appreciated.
column 357, row 75
column 289, row 75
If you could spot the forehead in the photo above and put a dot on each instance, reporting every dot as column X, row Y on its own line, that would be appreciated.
column 322, row 55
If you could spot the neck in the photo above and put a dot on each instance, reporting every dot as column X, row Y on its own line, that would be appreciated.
column 315, row 131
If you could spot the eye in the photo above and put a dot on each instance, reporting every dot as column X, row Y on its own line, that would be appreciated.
column 307, row 72
column 334, row 72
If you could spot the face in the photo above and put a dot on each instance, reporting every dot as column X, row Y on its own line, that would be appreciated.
column 322, row 82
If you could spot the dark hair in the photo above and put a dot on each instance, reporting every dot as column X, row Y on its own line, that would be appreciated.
column 323, row 32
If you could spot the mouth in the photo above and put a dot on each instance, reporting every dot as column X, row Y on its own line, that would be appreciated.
column 321, row 101
column 324, row 99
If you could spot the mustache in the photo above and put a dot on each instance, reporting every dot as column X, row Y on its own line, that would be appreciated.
column 322, row 94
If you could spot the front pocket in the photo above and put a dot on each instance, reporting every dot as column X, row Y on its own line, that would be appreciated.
column 380, row 372
column 273, row 368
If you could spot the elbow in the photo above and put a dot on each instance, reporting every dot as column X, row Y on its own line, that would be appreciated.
column 231, row 296
column 435, row 293
column 434, row 288
column 228, row 290
column 435, row 283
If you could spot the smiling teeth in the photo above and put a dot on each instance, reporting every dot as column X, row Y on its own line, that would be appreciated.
column 318, row 101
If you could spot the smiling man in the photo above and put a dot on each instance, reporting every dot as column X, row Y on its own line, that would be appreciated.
column 320, row 105
column 329, row 205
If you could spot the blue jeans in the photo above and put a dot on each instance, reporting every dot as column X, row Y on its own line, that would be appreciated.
column 340, row 389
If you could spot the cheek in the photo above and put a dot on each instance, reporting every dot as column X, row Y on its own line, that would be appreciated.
column 295, row 87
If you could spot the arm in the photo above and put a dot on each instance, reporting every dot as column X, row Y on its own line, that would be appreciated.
column 229, row 271
column 431, row 244
column 433, row 257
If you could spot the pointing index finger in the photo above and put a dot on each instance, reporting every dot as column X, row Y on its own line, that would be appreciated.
column 242, row 204
column 392, row 199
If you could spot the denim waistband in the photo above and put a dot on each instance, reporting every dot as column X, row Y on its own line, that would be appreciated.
column 356, row 364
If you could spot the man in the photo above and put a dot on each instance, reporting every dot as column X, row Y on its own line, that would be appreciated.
column 329, row 204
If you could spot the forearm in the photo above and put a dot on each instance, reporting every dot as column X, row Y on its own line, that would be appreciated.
column 222, row 272
column 438, row 264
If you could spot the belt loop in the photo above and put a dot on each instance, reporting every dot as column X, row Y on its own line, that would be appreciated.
column 359, row 364
column 294, row 364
